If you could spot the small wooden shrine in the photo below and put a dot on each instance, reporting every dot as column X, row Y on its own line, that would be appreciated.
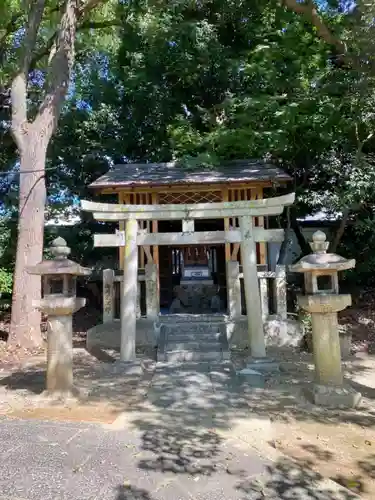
column 192, row 277
column 197, row 242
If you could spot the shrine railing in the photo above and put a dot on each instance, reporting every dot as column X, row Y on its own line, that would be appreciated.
column 272, row 285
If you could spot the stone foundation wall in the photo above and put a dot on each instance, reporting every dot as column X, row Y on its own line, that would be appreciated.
column 108, row 335
column 278, row 332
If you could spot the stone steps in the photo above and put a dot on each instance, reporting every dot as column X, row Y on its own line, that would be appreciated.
column 188, row 319
column 186, row 355
column 192, row 337
column 187, row 339
column 193, row 346
column 196, row 328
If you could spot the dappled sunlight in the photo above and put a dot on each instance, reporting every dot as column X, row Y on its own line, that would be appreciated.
column 196, row 421
column 293, row 479
column 221, row 394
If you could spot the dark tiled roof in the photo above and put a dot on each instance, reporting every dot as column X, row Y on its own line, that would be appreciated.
column 137, row 174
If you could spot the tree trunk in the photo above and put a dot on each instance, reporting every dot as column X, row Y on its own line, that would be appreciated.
column 340, row 231
column 32, row 140
column 25, row 328
column 305, row 247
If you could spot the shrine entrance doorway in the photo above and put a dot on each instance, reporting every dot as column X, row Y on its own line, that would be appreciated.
column 192, row 274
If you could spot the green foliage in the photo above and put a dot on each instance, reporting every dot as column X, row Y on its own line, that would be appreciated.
column 6, row 262
column 6, row 281
column 203, row 82
column 223, row 82
column 7, row 249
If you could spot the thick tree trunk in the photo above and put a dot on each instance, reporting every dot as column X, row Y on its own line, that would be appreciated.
column 32, row 140
column 25, row 322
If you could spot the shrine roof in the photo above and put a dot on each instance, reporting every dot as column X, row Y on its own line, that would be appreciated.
column 156, row 174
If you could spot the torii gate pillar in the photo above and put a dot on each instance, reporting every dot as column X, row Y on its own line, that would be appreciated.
column 129, row 293
column 252, row 294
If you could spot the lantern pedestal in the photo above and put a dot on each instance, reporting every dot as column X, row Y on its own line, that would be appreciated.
column 329, row 389
column 60, row 343
column 333, row 397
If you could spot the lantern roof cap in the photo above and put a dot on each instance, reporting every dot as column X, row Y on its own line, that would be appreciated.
column 320, row 260
column 60, row 264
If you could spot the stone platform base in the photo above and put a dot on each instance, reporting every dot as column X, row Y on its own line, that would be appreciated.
column 256, row 370
column 277, row 332
column 333, row 397
column 186, row 338
column 107, row 335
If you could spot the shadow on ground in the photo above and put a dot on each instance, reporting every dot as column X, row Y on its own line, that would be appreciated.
column 289, row 479
column 285, row 480
column 358, row 477
column 187, row 417
column 281, row 398
column 131, row 493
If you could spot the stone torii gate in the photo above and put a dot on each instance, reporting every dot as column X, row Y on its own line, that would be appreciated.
column 247, row 236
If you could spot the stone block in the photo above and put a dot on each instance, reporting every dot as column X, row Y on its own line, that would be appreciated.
column 252, row 377
column 333, row 397
column 283, row 332
column 226, row 355
column 263, row 365
column 192, row 337
column 128, row 368
column 233, row 289
column 215, row 304
column 195, row 345
column 152, row 293
column 280, row 297
column 108, row 295
column 194, row 297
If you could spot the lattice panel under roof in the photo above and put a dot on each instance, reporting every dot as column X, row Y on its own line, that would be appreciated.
column 190, row 197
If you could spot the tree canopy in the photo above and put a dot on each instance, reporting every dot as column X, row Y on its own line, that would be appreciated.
column 201, row 82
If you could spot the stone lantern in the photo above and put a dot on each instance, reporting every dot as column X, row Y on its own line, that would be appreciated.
column 59, row 302
column 323, row 301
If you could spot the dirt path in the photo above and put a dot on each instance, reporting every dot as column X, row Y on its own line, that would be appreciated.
column 338, row 445
column 344, row 453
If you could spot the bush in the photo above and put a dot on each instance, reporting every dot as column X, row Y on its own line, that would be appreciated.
column 6, row 281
